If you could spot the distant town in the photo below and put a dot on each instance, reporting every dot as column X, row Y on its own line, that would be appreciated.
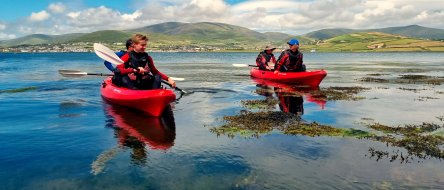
column 88, row 47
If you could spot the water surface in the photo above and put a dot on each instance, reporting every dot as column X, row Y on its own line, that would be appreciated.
column 57, row 133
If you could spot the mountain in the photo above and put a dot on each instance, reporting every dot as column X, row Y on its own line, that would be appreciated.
column 212, row 34
column 328, row 33
column 207, row 36
column 104, row 36
column 36, row 39
column 277, row 36
column 414, row 31
column 409, row 31
column 202, row 30
column 165, row 34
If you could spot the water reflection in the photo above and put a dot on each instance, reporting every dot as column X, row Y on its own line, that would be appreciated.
column 156, row 132
column 290, row 97
column 134, row 131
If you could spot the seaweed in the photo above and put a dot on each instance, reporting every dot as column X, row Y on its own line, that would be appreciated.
column 339, row 93
column 17, row 90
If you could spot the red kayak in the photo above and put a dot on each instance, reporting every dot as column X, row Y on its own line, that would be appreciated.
column 152, row 102
column 309, row 78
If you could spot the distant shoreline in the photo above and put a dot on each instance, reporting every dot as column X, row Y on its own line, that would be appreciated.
column 275, row 52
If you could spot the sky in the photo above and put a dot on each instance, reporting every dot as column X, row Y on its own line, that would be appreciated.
column 24, row 17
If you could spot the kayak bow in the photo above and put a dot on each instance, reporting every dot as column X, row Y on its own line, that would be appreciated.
column 152, row 102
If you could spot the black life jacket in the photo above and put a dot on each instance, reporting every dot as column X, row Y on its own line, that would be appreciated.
column 293, row 59
column 137, row 59
column 267, row 56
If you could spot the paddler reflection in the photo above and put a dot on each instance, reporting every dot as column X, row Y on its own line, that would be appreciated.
column 290, row 98
column 135, row 130
column 289, row 102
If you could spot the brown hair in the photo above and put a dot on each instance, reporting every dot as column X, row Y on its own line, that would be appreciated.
column 139, row 37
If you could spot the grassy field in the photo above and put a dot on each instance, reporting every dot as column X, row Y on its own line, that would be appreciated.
column 374, row 42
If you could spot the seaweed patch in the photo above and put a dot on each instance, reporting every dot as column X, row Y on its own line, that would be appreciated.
column 421, row 141
column 17, row 90
column 255, row 124
column 340, row 93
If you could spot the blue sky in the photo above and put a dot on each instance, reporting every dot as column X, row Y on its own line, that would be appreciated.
column 24, row 17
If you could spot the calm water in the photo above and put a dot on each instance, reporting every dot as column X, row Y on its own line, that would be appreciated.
column 57, row 133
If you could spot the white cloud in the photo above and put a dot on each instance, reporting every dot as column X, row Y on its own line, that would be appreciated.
column 5, row 36
column 2, row 26
column 40, row 16
column 290, row 16
column 131, row 17
column 73, row 15
column 101, row 17
column 56, row 7
column 191, row 11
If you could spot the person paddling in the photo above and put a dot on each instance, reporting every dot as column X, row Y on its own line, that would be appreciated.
column 138, row 70
column 265, row 60
column 129, row 48
column 290, row 60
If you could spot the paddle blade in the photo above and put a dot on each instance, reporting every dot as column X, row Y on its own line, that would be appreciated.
column 177, row 79
column 243, row 65
column 107, row 54
column 76, row 73
column 240, row 65
column 72, row 73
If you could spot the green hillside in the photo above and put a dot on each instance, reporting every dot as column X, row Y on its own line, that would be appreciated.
column 104, row 36
column 206, row 36
column 375, row 42
column 409, row 31
column 204, row 33
column 328, row 33
column 414, row 31
column 202, row 30
column 36, row 39
column 277, row 36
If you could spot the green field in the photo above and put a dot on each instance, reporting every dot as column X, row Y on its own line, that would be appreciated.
column 374, row 42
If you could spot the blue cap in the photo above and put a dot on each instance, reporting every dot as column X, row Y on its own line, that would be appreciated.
column 292, row 42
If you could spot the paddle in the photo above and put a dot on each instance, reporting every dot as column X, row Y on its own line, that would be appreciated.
column 108, row 55
column 76, row 73
column 243, row 65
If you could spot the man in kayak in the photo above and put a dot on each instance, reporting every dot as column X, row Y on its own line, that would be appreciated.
column 265, row 60
column 138, row 70
column 129, row 47
column 290, row 60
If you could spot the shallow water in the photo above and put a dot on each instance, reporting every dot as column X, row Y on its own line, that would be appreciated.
column 57, row 133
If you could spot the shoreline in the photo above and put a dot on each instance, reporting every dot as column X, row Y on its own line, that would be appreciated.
column 246, row 51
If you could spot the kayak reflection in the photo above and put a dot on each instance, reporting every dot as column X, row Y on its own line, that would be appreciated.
column 290, row 97
column 134, row 130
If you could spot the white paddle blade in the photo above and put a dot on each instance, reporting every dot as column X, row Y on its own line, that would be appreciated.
column 72, row 73
column 177, row 79
column 240, row 65
column 106, row 54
